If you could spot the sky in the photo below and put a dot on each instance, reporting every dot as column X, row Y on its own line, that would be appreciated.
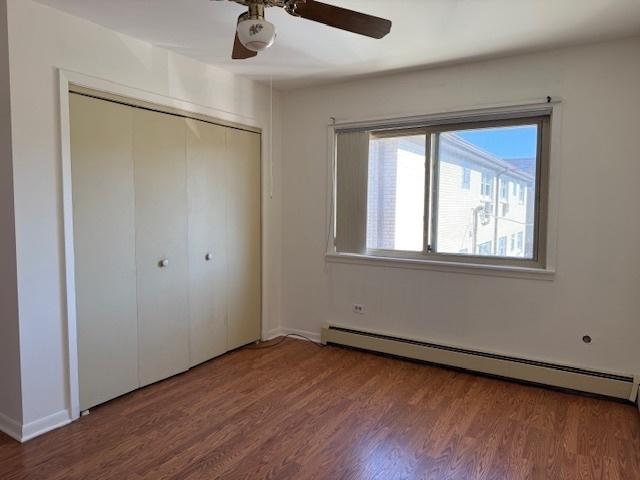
column 504, row 142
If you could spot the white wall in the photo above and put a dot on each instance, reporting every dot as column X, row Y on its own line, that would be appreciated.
column 10, row 401
column 595, row 290
column 41, row 40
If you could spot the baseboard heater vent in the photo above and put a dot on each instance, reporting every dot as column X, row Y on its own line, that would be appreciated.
column 562, row 376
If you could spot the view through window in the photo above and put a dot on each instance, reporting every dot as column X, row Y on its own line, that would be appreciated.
column 459, row 191
column 396, row 188
column 478, row 220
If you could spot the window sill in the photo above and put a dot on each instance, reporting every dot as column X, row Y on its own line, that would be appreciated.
column 443, row 266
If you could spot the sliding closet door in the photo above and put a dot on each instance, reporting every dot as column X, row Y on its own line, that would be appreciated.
column 104, row 241
column 207, row 187
column 243, row 237
column 161, row 244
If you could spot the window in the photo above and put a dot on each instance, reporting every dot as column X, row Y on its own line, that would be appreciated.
column 486, row 187
column 504, row 190
column 505, row 209
column 411, row 192
column 466, row 178
column 485, row 248
column 502, row 246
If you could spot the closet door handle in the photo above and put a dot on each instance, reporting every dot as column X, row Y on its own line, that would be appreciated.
column 208, row 257
column 163, row 263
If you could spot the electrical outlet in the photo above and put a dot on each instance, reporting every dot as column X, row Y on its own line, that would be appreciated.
column 358, row 308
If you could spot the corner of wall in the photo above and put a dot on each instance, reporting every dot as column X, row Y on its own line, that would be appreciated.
column 25, row 432
column 43, row 425
column 11, row 411
column 10, row 427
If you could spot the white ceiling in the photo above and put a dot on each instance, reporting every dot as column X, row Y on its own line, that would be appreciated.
column 424, row 32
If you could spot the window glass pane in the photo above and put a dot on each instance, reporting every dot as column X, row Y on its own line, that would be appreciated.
column 395, row 198
column 502, row 246
column 480, row 219
column 466, row 178
column 504, row 190
column 485, row 248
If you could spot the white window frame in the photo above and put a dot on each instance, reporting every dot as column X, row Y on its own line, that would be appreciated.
column 466, row 264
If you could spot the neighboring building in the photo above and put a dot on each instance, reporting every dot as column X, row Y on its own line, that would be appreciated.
column 396, row 192
column 485, row 204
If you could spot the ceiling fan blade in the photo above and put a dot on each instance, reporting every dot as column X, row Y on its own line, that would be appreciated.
column 343, row 18
column 240, row 52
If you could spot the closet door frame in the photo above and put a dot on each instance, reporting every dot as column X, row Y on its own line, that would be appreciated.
column 69, row 81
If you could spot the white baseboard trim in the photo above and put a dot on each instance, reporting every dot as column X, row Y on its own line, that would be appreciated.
column 271, row 334
column 44, row 425
column 11, row 427
column 611, row 384
column 313, row 336
column 282, row 331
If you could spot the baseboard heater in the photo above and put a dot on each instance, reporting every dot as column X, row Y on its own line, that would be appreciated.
column 600, row 383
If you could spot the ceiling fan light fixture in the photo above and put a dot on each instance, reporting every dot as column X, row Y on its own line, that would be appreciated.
column 256, row 34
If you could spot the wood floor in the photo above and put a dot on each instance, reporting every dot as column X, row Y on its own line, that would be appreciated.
column 297, row 411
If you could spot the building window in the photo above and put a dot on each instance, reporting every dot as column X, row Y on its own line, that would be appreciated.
column 502, row 246
column 504, row 190
column 485, row 248
column 466, row 178
column 505, row 209
column 400, row 192
column 486, row 187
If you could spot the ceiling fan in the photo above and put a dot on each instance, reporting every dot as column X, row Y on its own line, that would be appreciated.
column 254, row 33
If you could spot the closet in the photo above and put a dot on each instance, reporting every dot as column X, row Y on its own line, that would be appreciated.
column 166, row 213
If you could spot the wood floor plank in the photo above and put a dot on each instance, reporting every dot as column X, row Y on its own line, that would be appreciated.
column 296, row 411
